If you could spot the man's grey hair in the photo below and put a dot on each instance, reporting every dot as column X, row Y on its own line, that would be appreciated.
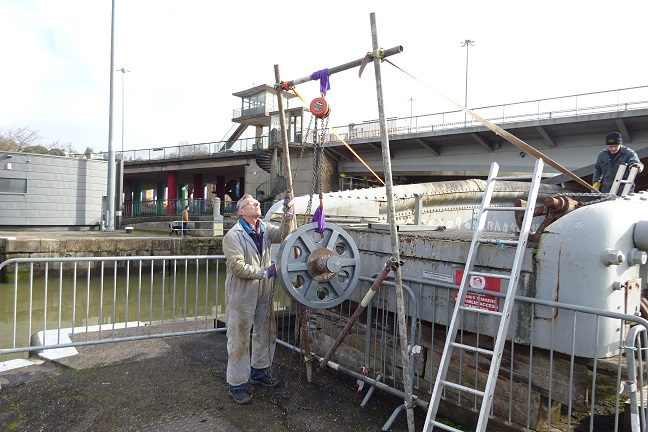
column 239, row 203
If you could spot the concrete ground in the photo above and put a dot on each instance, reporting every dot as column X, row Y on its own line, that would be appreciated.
column 178, row 383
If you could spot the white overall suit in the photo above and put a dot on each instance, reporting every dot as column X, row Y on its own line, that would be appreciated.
column 248, row 302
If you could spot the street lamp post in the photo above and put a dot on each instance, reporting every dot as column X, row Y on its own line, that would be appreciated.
column 120, row 213
column 109, row 217
column 467, row 43
column 123, row 71
column 411, row 101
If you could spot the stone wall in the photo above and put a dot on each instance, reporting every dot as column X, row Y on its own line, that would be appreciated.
column 99, row 246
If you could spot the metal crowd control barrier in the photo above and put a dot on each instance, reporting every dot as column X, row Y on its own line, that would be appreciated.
column 68, row 302
column 74, row 301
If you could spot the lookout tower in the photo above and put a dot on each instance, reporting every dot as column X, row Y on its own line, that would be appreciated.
column 259, row 108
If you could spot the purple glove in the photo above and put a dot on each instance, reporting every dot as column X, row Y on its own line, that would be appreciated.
column 287, row 208
column 270, row 271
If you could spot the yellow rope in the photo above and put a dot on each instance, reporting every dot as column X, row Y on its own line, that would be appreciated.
column 355, row 154
column 506, row 135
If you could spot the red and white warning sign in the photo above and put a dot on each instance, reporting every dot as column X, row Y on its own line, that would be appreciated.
column 476, row 300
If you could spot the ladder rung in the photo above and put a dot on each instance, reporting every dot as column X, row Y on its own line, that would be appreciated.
column 498, row 242
column 481, row 311
column 444, row 426
column 472, row 348
column 463, row 388
column 495, row 275
column 491, row 208
column 523, row 177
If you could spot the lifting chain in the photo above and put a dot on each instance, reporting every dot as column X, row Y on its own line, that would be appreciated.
column 318, row 156
column 303, row 147
column 602, row 197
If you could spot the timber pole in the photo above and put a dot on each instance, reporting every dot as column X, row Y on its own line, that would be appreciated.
column 301, row 309
column 400, row 302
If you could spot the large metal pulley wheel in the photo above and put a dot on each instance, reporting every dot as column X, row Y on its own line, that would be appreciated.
column 318, row 270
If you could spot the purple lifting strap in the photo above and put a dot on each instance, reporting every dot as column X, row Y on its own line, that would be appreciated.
column 318, row 217
column 323, row 76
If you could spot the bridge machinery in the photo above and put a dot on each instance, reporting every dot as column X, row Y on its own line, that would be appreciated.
column 590, row 254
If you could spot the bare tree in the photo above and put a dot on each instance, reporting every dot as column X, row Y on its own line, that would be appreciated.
column 25, row 139
column 19, row 138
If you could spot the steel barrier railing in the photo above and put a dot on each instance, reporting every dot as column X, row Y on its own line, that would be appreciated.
column 67, row 302
column 54, row 303
column 169, row 207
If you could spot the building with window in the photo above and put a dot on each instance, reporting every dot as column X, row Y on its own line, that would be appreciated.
column 43, row 190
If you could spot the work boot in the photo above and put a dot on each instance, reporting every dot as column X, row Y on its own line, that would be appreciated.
column 265, row 381
column 240, row 396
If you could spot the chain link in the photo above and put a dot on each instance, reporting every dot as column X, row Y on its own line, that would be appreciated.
column 303, row 147
column 602, row 197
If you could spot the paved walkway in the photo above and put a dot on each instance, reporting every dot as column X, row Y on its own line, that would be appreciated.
column 178, row 383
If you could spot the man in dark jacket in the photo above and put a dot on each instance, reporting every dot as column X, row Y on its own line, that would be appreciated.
column 609, row 160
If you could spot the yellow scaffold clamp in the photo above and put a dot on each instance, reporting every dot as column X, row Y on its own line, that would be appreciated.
column 377, row 53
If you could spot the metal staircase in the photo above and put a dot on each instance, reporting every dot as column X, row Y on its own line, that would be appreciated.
column 264, row 159
column 266, row 192
column 461, row 309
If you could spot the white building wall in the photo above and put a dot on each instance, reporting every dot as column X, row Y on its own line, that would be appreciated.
column 60, row 191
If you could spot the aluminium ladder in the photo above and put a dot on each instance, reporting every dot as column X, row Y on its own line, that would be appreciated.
column 504, row 316
column 618, row 179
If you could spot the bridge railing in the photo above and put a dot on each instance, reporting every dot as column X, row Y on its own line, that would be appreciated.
column 186, row 150
column 167, row 207
column 174, row 207
column 625, row 99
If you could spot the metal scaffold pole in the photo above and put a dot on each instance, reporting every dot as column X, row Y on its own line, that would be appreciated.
column 301, row 309
column 400, row 303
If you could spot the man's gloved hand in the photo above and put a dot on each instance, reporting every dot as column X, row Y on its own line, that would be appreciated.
column 597, row 185
column 638, row 166
column 289, row 211
column 270, row 271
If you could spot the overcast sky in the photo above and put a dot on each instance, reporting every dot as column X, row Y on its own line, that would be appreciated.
column 187, row 57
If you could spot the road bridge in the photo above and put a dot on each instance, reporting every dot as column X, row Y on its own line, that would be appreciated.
column 440, row 146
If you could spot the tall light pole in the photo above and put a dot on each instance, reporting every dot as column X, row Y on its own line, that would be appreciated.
column 411, row 101
column 467, row 43
column 110, row 195
column 123, row 71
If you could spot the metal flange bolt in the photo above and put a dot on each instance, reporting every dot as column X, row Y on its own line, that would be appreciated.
column 636, row 256
column 613, row 257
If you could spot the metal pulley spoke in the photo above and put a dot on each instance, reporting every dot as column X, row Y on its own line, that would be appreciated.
column 297, row 266
column 306, row 244
column 331, row 243
column 318, row 270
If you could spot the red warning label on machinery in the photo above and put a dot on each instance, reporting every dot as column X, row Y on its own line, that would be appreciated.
column 476, row 300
